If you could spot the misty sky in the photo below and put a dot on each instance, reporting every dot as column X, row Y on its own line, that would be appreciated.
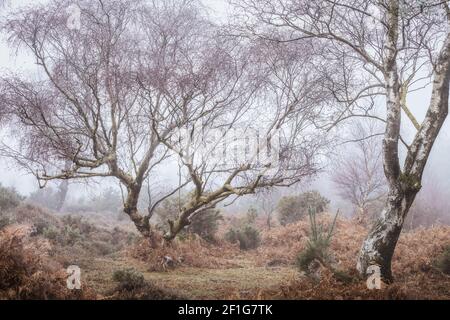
column 21, row 62
column 437, row 169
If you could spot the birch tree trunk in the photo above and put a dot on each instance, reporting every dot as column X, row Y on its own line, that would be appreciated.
column 378, row 248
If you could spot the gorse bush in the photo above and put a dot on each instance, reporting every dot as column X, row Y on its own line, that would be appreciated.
column 317, row 247
column 70, row 231
column 78, row 223
column 67, row 236
column 248, row 237
column 293, row 208
column 9, row 198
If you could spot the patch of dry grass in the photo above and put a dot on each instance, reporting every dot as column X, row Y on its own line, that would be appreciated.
column 31, row 266
column 413, row 264
column 191, row 252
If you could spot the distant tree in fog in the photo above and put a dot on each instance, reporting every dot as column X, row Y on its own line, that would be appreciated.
column 431, row 206
column 358, row 172
column 267, row 201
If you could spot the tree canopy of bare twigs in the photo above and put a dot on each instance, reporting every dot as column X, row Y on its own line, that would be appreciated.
column 113, row 97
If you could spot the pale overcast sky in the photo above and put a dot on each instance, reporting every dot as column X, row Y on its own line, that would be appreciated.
column 12, row 61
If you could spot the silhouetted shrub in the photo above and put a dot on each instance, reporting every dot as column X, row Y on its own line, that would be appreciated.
column 294, row 208
column 250, row 216
column 9, row 198
column 132, row 286
column 204, row 224
column 169, row 210
column 109, row 201
column 248, row 237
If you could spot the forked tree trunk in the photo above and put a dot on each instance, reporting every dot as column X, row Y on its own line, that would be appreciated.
column 378, row 248
column 142, row 223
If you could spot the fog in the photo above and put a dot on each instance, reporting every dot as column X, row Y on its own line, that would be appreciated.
column 224, row 149
column 437, row 172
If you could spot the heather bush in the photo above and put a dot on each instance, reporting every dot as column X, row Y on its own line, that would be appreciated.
column 293, row 208
column 36, row 216
column 132, row 286
column 128, row 279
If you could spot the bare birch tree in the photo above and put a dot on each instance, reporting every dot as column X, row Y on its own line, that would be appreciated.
column 270, row 141
column 109, row 94
column 386, row 48
column 267, row 201
column 112, row 97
